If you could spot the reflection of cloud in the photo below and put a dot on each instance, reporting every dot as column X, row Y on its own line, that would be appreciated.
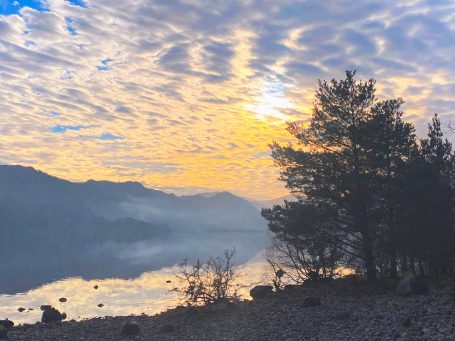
column 149, row 294
column 162, row 71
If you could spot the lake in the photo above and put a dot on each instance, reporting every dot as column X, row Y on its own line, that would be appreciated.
column 148, row 294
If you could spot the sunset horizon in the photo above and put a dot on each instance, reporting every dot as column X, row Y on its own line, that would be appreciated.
column 94, row 90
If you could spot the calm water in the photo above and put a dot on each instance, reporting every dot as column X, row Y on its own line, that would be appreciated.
column 147, row 294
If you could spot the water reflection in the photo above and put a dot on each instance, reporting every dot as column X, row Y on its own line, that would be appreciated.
column 149, row 294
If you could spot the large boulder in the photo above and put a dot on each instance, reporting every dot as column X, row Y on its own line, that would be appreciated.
column 7, row 323
column 412, row 285
column 130, row 328
column 261, row 291
column 50, row 314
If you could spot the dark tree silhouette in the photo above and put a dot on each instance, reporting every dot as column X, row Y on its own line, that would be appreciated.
column 368, row 190
column 304, row 245
column 390, row 144
column 332, row 167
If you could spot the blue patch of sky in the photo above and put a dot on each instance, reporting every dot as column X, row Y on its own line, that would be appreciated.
column 63, row 128
column 80, row 3
column 104, row 65
column 109, row 136
column 13, row 7
column 49, row 112
column 69, row 26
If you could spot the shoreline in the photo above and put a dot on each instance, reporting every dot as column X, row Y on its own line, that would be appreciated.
column 348, row 311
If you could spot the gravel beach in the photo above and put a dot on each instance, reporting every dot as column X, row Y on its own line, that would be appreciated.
column 348, row 311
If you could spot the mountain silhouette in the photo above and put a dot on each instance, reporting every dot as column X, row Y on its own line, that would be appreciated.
column 52, row 228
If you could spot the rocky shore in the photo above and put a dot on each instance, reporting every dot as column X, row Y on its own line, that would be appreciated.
column 339, row 310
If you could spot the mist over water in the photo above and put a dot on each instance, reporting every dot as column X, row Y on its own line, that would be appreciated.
column 148, row 294
column 53, row 229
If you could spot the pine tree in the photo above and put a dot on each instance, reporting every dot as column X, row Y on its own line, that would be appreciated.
column 330, row 164
column 390, row 143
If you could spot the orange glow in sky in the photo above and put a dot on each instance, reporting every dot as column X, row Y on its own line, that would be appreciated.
column 186, row 95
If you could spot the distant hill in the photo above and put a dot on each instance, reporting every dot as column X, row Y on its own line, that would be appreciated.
column 52, row 228
column 270, row 203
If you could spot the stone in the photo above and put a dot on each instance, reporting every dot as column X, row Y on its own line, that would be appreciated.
column 261, row 291
column 130, row 328
column 3, row 333
column 311, row 301
column 412, row 285
column 20, row 309
column 7, row 323
column 100, row 305
column 95, row 287
column 51, row 315
column 62, row 299
column 167, row 328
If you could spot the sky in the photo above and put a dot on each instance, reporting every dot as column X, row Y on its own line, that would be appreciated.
column 186, row 95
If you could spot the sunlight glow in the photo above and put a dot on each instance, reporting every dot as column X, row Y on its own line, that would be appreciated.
column 272, row 102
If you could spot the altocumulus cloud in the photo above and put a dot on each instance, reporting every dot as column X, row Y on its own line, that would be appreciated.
column 165, row 70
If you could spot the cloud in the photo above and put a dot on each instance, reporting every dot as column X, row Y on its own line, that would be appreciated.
column 176, row 59
column 217, row 60
column 165, row 71
column 299, row 69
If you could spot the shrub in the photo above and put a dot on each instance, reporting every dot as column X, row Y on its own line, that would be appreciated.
column 210, row 282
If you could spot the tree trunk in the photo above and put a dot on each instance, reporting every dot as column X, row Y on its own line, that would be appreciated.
column 393, row 266
column 422, row 271
column 393, row 272
column 412, row 263
column 404, row 264
column 370, row 266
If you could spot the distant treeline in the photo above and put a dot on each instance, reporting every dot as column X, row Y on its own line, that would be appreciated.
column 372, row 195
